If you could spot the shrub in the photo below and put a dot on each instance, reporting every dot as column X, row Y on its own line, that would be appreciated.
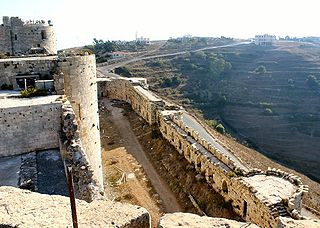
column 220, row 128
column 260, row 70
column 269, row 111
column 5, row 86
column 155, row 134
column 83, row 51
column 313, row 82
column 122, row 71
column 33, row 92
column 3, row 56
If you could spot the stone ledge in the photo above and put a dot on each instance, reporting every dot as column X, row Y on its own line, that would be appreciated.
column 23, row 208
column 291, row 223
column 196, row 221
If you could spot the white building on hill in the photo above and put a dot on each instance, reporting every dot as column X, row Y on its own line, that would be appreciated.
column 264, row 40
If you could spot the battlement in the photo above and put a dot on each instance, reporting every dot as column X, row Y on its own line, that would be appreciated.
column 16, row 21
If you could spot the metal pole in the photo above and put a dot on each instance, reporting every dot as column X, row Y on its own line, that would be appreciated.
column 72, row 197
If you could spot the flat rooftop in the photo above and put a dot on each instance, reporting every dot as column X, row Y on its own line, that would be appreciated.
column 19, row 102
column 26, row 58
column 147, row 94
column 272, row 188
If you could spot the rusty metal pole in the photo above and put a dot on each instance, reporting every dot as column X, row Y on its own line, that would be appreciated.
column 72, row 197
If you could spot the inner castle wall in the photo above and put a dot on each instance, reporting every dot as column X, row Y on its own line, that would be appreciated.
column 37, row 67
column 29, row 128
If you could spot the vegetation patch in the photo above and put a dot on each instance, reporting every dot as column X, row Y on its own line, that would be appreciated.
column 33, row 92
column 5, row 86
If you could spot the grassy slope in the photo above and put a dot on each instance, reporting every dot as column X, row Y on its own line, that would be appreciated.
column 291, row 133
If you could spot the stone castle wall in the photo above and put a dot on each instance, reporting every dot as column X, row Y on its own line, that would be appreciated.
column 85, row 183
column 5, row 40
column 18, row 37
column 29, row 128
column 238, row 186
column 142, row 101
column 38, row 67
column 80, row 87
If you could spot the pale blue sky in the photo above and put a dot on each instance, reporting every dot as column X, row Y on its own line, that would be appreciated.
column 77, row 22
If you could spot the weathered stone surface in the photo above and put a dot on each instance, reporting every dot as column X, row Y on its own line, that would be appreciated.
column 80, row 87
column 196, row 221
column 291, row 223
column 29, row 124
column 23, row 208
column 85, row 182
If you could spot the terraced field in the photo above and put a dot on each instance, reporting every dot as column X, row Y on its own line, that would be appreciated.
column 275, row 112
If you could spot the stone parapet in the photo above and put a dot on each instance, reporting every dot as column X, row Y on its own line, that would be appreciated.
column 196, row 221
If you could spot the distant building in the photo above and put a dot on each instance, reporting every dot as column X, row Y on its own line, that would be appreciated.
column 264, row 40
column 18, row 37
column 143, row 40
column 119, row 54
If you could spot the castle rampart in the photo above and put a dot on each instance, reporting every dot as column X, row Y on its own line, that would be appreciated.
column 262, row 197
column 142, row 100
column 20, row 38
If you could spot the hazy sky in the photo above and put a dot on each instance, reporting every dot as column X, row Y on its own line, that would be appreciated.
column 77, row 22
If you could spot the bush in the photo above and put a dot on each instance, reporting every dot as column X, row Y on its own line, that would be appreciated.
column 3, row 56
column 220, row 128
column 33, row 92
column 5, row 86
column 260, row 70
column 268, row 111
column 122, row 71
column 85, row 51
column 155, row 134
column 171, row 82
column 313, row 82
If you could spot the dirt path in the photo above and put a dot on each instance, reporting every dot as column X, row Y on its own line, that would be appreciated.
column 132, row 145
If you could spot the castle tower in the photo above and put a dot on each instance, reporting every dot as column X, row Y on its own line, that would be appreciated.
column 19, row 37
column 80, row 87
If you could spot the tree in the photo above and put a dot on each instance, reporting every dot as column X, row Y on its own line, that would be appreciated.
column 313, row 82
column 261, row 69
column 220, row 128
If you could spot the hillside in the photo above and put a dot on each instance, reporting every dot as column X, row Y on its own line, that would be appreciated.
column 265, row 97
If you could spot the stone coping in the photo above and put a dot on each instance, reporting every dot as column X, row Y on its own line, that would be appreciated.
column 21, row 102
column 26, row 58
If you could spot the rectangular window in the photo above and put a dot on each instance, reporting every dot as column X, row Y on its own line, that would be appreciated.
column 15, row 37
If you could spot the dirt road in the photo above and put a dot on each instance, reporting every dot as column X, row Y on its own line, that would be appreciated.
column 132, row 145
